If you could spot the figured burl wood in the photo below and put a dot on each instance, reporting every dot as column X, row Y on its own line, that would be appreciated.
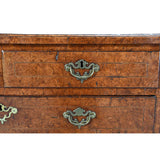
column 80, row 47
column 79, row 39
column 34, row 76
column 46, row 113
column 74, row 91
column 1, row 70
column 46, row 69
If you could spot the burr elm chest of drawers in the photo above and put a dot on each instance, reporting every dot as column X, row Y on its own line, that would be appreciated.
column 79, row 84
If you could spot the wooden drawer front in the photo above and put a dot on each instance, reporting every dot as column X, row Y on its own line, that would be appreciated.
column 113, row 114
column 46, row 69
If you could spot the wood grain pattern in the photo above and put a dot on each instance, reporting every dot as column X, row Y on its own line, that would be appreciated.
column 1, row 71
column 117, row 113
column 125, row 92
column 46, row 69
column 80, row 47
column 75, row 91
column 81, row 39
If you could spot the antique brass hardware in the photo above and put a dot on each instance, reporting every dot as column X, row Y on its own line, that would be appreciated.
column 5, row 109
column 79, row 112
column 82, row 64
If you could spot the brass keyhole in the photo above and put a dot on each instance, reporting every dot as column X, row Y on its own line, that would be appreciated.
column 81, row 64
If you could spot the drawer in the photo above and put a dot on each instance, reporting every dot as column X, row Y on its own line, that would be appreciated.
column 58, row 114
column 60, row 69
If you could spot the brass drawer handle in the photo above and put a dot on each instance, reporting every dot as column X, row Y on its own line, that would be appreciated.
column 5, row 109
column 81, row 64
column 79, row 112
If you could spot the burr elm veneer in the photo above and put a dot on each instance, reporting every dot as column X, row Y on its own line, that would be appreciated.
column 79, row 84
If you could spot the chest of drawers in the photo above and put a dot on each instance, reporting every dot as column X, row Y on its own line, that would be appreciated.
column 79, row 84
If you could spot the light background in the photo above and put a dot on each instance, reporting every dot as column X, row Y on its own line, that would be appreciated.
column 79, row 17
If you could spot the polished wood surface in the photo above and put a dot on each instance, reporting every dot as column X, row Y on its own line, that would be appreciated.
column 79, row 39
column 46, row 69
column 124, row 93
column 80, row 47
column 127, row 113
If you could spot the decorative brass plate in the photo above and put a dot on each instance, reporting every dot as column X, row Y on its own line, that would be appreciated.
column 5, row 109
column 79, row 112
column 82, row 64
